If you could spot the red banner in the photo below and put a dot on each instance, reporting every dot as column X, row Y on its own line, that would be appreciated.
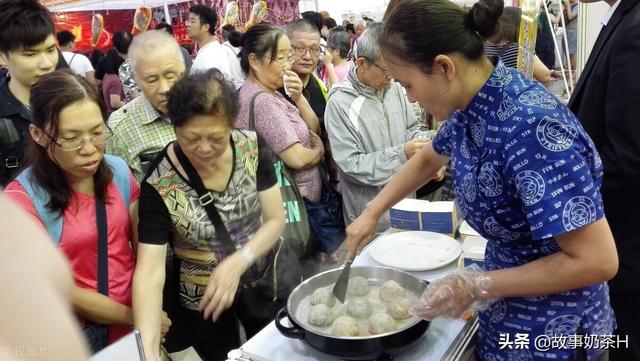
column 79, row 23
column 279, row 12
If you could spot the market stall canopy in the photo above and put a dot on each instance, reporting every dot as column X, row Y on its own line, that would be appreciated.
column 97, row 5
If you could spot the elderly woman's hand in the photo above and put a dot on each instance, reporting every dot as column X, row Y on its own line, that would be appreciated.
column 315, row 142
column 293, row 84
column 222, row 286
column 328, row 58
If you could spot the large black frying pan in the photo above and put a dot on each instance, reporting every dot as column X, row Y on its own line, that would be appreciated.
column 377, row 347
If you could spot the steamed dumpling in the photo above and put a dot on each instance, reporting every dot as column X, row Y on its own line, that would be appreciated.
column 345, row 326
column 359, row 307
column 381, row 323
column 399, row 308
column 391, row 290
column 323, row 296
column 358, row 286
column 320, row 315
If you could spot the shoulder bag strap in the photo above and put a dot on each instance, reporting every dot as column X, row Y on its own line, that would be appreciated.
column 252, row 116
column 206, row 200
column 71, row 60
column 103, row 264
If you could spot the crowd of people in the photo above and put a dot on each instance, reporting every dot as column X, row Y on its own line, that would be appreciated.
column 157, row 173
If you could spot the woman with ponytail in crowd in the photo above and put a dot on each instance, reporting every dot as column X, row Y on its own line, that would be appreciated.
column 526, row 177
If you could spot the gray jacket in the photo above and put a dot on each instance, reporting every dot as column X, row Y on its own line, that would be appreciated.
column 367, row 129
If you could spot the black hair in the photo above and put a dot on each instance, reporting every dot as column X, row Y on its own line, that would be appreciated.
column 229, row 33
column 202, row 93
column 24, row 23
column 235, row 39
column 166, row 27
column 206, row 15
column 330, row 23
column 226, row 29
column 260, row 39
column 419, row 30
column 65, row 37
column 95, row 56
column 49, row 96
column 350, row 27
column 509, row 24
column 112, row 62
column 314, row 18
column 122, row 40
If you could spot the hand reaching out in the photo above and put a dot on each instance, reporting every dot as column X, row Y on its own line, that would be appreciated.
column 452, row 295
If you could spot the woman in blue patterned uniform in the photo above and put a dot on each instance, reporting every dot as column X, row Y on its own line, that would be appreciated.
column 526, row 176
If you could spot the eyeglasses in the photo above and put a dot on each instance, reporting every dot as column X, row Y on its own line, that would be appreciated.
column 297, row 51
column 384, row 71
column 98, row 139
column 284, row 61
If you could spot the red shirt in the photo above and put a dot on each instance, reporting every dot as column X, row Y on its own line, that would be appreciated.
column 111, row 85
column 79, row 241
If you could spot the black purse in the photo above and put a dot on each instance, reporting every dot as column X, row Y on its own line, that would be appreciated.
column 97, row 335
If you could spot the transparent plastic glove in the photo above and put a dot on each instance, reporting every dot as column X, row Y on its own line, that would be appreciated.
column 452, row 295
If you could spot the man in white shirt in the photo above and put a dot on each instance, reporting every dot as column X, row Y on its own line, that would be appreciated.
column 79, row 64
column 231, row 45
column 211, row 54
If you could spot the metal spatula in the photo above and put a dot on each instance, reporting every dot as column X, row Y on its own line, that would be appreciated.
column 340, row 289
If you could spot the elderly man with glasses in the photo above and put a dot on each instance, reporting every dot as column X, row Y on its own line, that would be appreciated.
column 372, row 129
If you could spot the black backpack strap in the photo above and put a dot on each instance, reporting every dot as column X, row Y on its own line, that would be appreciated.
column 103, row 257
column 10, row 146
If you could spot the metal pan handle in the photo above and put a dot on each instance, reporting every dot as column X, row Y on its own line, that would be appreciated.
column 290, row 332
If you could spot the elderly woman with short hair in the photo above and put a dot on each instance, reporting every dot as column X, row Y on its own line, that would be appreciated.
column 336, row 65
column 235, row 168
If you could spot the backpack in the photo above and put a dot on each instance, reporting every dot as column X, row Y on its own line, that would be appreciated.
column 10, row 149
column 53, row 220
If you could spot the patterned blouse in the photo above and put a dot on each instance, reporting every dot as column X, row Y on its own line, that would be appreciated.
column 526, row 172
column 171, row 213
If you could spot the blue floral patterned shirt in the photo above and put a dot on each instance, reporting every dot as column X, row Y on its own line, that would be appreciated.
column 525, row 172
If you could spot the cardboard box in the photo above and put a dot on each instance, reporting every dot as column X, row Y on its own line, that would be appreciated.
column 466, row 230
column 439, row 217
column 421, row 215
column 473, row 249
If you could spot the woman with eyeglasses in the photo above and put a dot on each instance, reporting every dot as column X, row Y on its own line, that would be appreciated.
column 289, row 130
column 74, row 190
column 211, row 172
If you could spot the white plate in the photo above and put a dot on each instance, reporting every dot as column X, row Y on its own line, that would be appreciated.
column 415, row 250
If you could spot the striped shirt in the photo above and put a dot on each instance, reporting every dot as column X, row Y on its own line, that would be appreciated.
column 507, row 52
